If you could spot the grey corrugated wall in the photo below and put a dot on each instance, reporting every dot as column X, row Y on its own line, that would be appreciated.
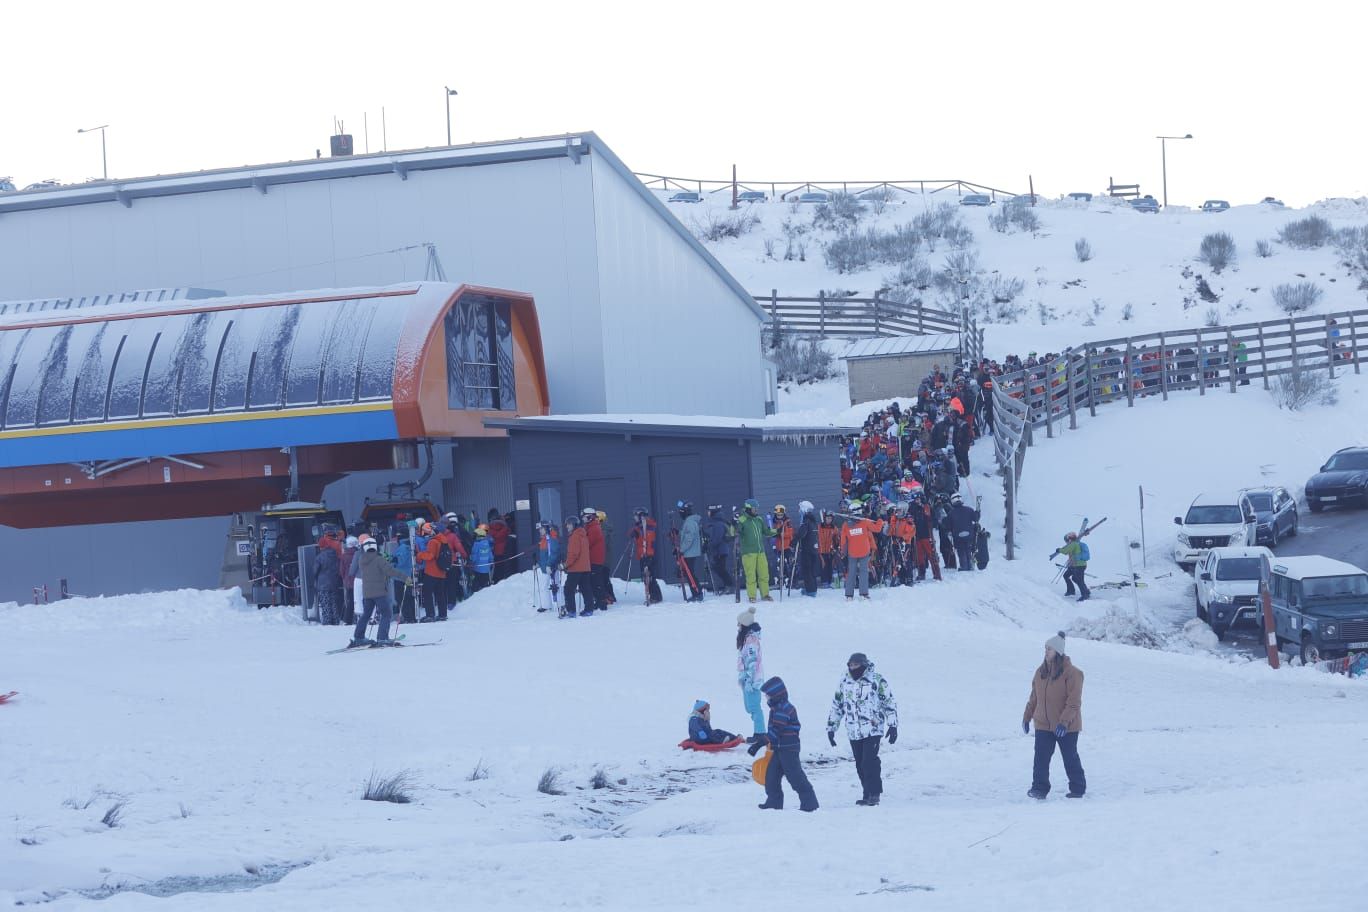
column 785, row 473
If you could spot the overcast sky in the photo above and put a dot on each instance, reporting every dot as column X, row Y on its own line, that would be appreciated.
column 1069, row 93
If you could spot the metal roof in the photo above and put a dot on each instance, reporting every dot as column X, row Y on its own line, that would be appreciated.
column 704, row 426
column 101, row 300
column 262, row 177
column 1312, row 565
column 890, row 346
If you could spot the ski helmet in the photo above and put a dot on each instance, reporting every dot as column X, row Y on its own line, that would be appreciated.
column 571, row 522
column 370, row 545
column 600, row 516
column 856, row 507
column 587, row 512
column 780, row 509
column 481, row 532
column 362, row 539
column 955, row 498
column 752, row 504
column 805, row 506
column 351, row 541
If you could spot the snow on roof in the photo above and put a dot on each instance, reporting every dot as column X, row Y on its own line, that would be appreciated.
column 1312, row 565
column 667, row 425
column 903, row 345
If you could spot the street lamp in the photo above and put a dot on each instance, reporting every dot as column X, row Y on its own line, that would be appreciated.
column 1163, row 158
column 104, row 157
column 449, row 92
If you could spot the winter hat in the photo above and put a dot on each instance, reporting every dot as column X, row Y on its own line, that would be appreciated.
column 700, row 705
column 858, row 658
column 746, row 618
column 1056, row 642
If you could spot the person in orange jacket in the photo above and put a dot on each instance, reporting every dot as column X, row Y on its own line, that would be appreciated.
column 857, row 544
column 783, row 547
column 828, row 537
column 455, row 592
column 434, row 577
column 643, row 549
column 577, row 569
column 904, row 534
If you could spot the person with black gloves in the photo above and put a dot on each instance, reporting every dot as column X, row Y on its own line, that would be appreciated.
column 1056, row 708
column 784, row 744
column 865, row 703
column 964, row 527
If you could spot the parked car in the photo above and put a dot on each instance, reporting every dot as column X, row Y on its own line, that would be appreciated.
column 686, row 196
column 1215, row 206
column 1320, row 606
column 1274, row 511
column 6, row 185
column 1272, row 203
column 44, row 184
column 1145, row 204
column 751, row 196
column 1081, row 197
column 1022, row 199
column 1228, row 588
column 815, row 196
column 1212, row 521
column 975, row 199
column 1343, row 478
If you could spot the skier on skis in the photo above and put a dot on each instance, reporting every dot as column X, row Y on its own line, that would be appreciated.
column 751, row 531
column 963, row 521
column 1056, row 708
column 1077, row 553
column 864, row 703
column 857, row 545
column 784, row 742
column 598, row 556
column 806, row 547
column 375, row 574
column 690, row 547
column 548, row 559
column 643, row 549
column 577, row 568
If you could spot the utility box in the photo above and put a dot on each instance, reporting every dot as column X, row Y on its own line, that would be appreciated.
column 341, row 144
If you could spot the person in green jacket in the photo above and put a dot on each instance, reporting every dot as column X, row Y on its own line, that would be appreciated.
column 1242, row 362
column 752, row 531
column 1077, row 553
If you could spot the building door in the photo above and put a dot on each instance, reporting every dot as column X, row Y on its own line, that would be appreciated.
column 610, row 496
column 546, row 503
column 673, row 478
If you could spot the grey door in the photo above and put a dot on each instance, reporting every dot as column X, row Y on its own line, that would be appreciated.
column 673, row 478
column 610, row 496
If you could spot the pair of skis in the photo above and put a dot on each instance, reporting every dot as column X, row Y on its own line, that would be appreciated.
column 394, row 643
column 685, row 574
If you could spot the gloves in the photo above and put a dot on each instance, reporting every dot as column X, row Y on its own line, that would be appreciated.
column 892, row 734
column 831, row 736
column 1052, row 554
column 755, row 748
column 1061, row 730
column 1025, row 727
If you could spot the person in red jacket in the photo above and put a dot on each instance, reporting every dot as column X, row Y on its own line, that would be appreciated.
column 455, row 590
column 434, row 577
column 598, row 557
column 857, row 545
column 643, row 550
column 498, row 538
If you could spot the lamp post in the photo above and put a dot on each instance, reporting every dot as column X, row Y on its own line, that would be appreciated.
column 1163, row 159
column 449, row 92
column 104, row 157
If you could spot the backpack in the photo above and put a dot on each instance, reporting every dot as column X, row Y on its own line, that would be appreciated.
column 1083, row 554
column 444, row 557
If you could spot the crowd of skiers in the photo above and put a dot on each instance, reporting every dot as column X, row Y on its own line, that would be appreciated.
column 864, row 704
column 415, row 563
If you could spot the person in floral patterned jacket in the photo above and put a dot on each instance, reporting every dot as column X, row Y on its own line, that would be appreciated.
column 864, row 702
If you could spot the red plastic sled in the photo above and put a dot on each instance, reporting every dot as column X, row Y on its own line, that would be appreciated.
column 686, row 744
column 5, row 698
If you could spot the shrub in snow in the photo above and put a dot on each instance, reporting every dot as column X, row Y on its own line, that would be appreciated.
column 1296, row 297
column 850, row 251
column 878, row 199
column 1352, row 245
column 600, row 779
column 1205, row 293
column 1128, row 312
column 112, row 816
column 1118, row 627
column 769, row 248
column 1004, row 289
column 1083, row 250
column 843, row 210
column 1263, row 249
column 912, row 275
column 716, row 225
column 1302, row 386
column 1213, row 317
column 1217, row 251
column 1014, row 215
column 396, row 789
column 802, row 361
column 550, row 782
column 942, row 223
column 1312, row 231
column 481, row 771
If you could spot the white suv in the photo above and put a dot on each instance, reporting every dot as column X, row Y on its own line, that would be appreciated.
column 1228, row 588
column 1212, row 521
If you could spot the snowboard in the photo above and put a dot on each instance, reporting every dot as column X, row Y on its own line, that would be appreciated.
column 5, row 698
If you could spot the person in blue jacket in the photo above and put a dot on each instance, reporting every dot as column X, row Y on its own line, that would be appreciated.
column 402, row 559
column 784, row 743
column 481, row 559
column 700, row 726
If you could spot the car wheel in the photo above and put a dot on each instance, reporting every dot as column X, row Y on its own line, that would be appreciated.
column 1315, row 505
column 1274, row 537
column 1186, row 568
column 1310, row 655
column 1220, row 633
column 1197, row 600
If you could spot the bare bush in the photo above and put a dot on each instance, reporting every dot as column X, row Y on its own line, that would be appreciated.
column 396, row 789
column 1312, row 231
column 1128, row 312
column 719, row 224
column 850, row 251
column 802, row 361
column 769, row 248
column 600, row 779
column 1352, row 246
column 1303, row 386
column 1296, row 297
column 1005, row 289
column 1083, row 250
column 114, row 815
column 1217, row 251
column 942, row 223
column 878, row 199
column 481, row 771
column 550, row 782
column 184, row 811
column 1263, row 249
column 841, row 211
column 1213, row 317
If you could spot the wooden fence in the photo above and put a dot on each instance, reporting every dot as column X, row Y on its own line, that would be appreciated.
column 780, row 189
column 1207, row 359
column 830, row 317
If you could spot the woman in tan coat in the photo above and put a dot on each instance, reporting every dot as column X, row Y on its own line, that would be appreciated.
column 1056, row 708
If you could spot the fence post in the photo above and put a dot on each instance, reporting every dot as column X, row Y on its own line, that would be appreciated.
column 1049, row 412
column 1201, row 366
column 1230, row 357
column 921, row 318
column 1163, row 368
column 1263, row 357
column 774, row 317
column 1126, row 374
column 1292, row 329
column 1009, row 492
column 821, row 313
column 1069, row 386
column 1330, row 346
column 1353, row 339
column 1092, row 387
column 876, row 313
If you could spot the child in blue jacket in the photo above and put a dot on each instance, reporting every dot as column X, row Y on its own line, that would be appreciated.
column 481, row 559
column 700, row 726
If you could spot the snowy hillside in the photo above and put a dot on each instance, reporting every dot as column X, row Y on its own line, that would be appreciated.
column 1142, row 276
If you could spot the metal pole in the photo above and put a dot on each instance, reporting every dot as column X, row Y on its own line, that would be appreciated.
column 1130, row 572
column 104, row 155
column 1163, row 158
column 1144, row 549
column 448, row 113
column 1270, row 626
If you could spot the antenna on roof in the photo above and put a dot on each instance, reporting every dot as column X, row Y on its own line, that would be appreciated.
column 340, row 143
